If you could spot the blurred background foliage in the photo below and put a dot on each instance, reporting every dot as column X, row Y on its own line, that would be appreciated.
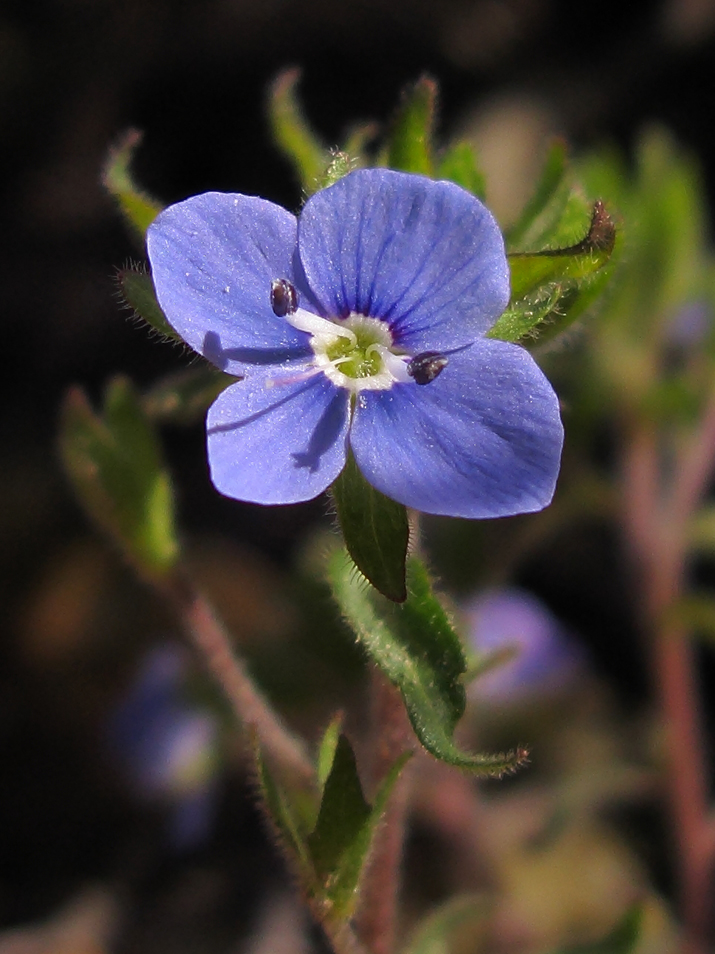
column 96, row 854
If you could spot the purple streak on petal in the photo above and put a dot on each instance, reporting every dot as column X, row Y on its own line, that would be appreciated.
column 213, row 258
column 547, row 659
column 277, row 445
column 481, row 440
column 426, row 256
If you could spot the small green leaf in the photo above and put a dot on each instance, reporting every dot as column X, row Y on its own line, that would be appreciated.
column 416, row 647
column 529, row 270
column 338, row 167
column 410, row 140
column 343, row 812
column 115, row 465
column 622, row 940
column 459, row 165
column 137, row 289
column 375, row 529
column 340, row 843
column 137, row 206
column 185, row 396
column 547, row 203
column 529, row 312
column 293, row 134
column 286, row 823
column 328, row 745
column 433, row 934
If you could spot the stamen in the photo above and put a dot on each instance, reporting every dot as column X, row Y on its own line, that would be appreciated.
column 395, row 364
column 284, row 297
column 425, row 367
column 320, row 328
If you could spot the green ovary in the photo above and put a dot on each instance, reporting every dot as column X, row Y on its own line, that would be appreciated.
column 360, row 363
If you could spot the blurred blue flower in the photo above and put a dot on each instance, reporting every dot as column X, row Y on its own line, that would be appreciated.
column 166, row 747
column 360, row 325
column 545, row 658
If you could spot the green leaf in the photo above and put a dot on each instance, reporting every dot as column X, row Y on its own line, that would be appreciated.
column 547, row 203
column 459, row 165
column 293, row 135
column 137, row 206
column 375, row 529
column 529, row 312
column 433, row 934
column 341, row 840
column 409, row 145
column 328, row 745
column 622, row 940
column 551, row 289
column 115, row 466
column 137, row 289
column 185, row 396
column 286, row 822
column 529, row 270
column 416, row 647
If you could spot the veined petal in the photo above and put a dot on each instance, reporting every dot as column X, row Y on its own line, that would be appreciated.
column 425, row 256
column 481, row 440
column 213, row 258
column 277, row 444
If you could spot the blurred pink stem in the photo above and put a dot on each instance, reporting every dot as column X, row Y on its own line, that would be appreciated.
column 656, row 529
column 251, row 708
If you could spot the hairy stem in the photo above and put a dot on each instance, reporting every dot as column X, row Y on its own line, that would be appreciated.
column 251, row 708
column 391, row 737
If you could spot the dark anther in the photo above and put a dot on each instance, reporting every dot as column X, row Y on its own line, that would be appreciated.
column 425, row 367
column 284, row 298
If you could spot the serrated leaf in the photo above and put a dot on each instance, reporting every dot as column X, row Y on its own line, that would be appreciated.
column 459, row 165
column 416, row 647
column 530, row 270
column 341, row 840
column 622, row 940
column 546, row 205
column 293, row 134
column 185, row 396
column 432, row 935
column 328, row 746
column 137, row 206
column 116, row 468
column 409, row 146
column 375, row 529
column 137, row 289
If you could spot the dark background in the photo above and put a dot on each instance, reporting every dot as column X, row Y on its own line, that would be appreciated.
column 193, row 76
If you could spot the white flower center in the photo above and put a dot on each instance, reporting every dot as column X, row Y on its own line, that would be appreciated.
column 356, row 353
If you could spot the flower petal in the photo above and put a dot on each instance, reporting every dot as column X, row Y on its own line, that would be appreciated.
column 481, row 440
column 425, row 256
column 277, row 445
column 213, row 258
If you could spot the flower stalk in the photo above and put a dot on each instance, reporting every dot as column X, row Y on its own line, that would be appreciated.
column 208, row 635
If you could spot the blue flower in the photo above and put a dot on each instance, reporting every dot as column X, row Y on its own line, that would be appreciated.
column 360, row 325
column 546, row 657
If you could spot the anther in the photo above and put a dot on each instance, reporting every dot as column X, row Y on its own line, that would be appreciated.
column 425, row 367
column 284, row 297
